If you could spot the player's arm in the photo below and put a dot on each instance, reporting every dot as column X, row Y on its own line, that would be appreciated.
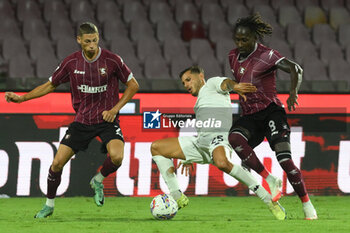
column 35, row 93
column 241, row 88
column 130, row 91
column 296, row 75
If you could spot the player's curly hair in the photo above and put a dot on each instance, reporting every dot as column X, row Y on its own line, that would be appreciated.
column 255, row 24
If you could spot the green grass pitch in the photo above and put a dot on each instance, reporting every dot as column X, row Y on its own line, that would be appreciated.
column 204, row 214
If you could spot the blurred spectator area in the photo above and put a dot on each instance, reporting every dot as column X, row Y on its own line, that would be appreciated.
column 159, row 38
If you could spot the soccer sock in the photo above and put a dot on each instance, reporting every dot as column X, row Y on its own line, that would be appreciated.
column 270, row 178
column 53, row 181
column 50, row 202
column 248, row 179
column 108, row 167
column 295, row 178
column 240, row 144
column 170, row 178
column 99, row 177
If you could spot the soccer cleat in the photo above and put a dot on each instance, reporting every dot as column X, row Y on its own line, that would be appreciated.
column 182, row 201
column 98, row 188
column 46, row 211
column 277, row 210
column 275, row 188
column 310, row 212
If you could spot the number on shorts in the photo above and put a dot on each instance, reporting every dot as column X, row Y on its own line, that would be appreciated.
column 217, row 140
column 272, row 127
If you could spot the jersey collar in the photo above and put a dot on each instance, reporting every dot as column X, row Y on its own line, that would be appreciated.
column 98, row 55
column 255, row 48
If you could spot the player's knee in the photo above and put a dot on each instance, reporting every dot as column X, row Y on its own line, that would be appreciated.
column 282, row 146
column 155, row 148
column 56, row 166
column 234, row 139
column 223, row 165
column 283, row 152
column 237, row 138
column 116, row 158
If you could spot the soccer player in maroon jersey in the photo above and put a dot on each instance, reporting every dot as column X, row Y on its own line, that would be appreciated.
column 93, row 74
column 262, row 113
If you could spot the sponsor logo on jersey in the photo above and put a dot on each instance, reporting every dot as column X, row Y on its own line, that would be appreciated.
column 270, row 53
column 88, row 89
column 78, row 72
column 103, row 71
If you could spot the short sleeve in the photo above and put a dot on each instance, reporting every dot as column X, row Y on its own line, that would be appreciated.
column 122, row 71
column 61, row 74
column 215, row 84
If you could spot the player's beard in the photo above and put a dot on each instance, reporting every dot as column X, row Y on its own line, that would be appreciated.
column 197, row 87
column 90, row 53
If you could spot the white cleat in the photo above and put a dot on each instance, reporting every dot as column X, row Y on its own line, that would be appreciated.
column 309, row 211
column 275, row 186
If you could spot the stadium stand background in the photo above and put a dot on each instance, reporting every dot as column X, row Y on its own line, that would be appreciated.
column 158, row 38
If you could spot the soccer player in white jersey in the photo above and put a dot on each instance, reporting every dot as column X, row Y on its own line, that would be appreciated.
column 211, row 146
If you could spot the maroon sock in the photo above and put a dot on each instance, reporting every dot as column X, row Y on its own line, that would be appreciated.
column 108, row 167
column 247, row 154
column 295, row 178
column 53, row 181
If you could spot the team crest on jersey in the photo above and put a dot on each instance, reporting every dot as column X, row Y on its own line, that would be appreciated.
column 241, row 70
column 103, row 71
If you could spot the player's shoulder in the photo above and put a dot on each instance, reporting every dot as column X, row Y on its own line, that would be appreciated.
column 107, row 54
column 233, row 53
column 265, row 52
column 71, row 57
column 214, row 81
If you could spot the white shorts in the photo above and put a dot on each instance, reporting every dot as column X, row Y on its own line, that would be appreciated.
column 200, row 149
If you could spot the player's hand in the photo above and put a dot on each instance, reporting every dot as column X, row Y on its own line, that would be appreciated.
column 12, row 97
column 292, row 100
column 187, row 167
column 243, row 88
column 109, row 116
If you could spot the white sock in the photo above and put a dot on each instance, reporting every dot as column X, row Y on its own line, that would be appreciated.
column 99, row 177
column 307, row 204
column 50, row 202
column 170, row 178
column 248, row 179
column 270, row 178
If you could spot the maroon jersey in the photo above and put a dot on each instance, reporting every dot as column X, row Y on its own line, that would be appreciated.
column 94, row 84
column 259, row 69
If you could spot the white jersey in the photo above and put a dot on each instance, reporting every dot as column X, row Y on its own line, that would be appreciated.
column 213, row 108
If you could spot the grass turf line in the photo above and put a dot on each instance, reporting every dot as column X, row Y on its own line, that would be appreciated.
column 204, row 214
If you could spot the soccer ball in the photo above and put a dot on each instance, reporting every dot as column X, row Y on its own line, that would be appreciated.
column 163, row 207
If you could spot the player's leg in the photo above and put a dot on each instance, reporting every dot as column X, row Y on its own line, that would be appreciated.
column 113, row 143
column 220, row 157
column 244, row 136
column 77, row 137
column 162, row 152
column 220, row 154
column 278, row 136
column 64, row 153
